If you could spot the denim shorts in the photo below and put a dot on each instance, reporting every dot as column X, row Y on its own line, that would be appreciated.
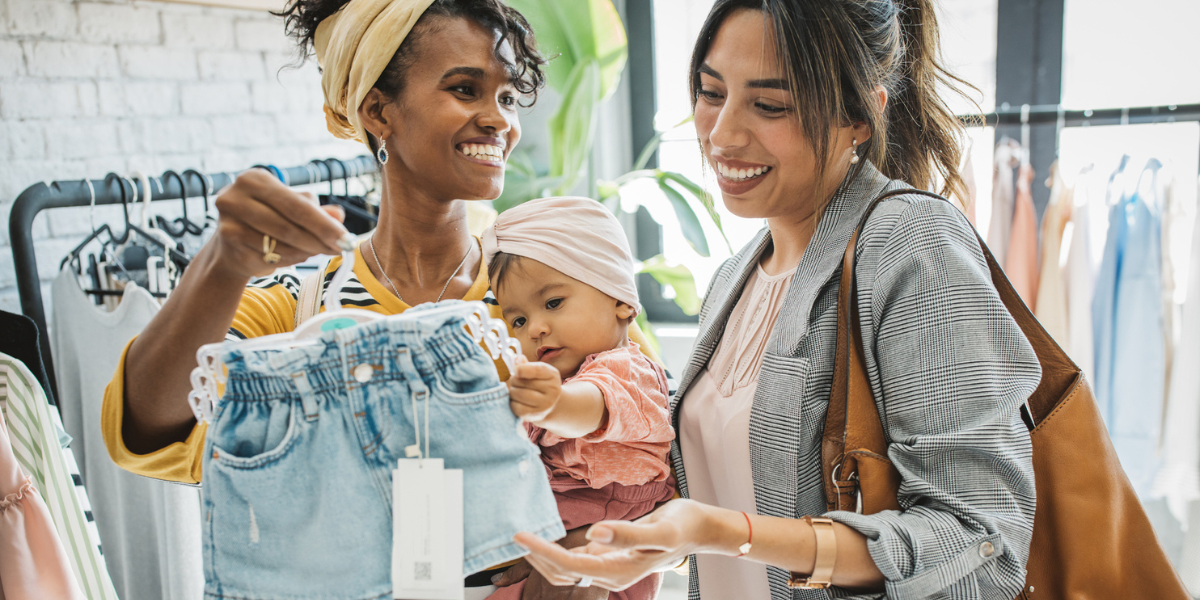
column 297, row 491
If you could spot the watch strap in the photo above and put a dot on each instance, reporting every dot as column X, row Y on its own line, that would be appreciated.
column 826, row 551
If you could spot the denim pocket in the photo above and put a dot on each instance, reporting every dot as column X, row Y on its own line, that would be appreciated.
column 471, row 380
column 250, row 435
column 488, row 394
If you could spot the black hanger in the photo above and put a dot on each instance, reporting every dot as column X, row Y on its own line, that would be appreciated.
column 178, row 257
column 328, row 162
column 185, row 225
column 204, row 180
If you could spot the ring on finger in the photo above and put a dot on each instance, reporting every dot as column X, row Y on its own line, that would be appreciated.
column 269, row 255
column 584, row 582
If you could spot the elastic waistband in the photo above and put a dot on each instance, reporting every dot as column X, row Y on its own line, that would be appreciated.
column 433, row 341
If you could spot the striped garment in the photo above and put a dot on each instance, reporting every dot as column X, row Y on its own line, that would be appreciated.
column 38, row 442
column 948, row 368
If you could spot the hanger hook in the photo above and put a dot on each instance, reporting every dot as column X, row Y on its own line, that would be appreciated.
column 182, row 189
column 329, row 165
column 121, row 181
column 91, row 203
column 205, row 185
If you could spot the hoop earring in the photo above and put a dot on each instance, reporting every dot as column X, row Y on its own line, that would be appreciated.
column 382, row 155
column 854, row 152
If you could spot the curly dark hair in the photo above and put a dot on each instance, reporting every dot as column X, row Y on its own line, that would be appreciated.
column 303, row 16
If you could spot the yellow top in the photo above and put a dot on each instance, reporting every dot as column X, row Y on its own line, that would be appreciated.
column 269, row 307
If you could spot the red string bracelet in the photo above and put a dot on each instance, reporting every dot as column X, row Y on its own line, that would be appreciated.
column 745, row 548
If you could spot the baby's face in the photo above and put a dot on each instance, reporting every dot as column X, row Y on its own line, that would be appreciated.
column 559, row 320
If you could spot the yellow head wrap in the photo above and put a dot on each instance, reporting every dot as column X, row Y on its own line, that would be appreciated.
column 353, row 47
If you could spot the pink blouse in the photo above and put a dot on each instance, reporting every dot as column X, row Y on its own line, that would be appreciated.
column 631, row 448
column 714, row 430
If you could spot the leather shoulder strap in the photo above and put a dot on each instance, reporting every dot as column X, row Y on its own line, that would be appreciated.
column 852, row 423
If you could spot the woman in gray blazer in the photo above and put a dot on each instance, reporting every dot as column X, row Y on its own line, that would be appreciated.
column 807, row 110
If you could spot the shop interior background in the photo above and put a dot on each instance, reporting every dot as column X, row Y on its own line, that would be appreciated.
column 91, row 87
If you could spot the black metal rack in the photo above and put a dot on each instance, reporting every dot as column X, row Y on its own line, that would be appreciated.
column 1046, row 114
column 73, row 194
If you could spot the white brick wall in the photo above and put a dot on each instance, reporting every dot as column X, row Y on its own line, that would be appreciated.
column 92, row 86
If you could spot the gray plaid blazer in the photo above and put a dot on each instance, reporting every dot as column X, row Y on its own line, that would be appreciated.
column 949, row 369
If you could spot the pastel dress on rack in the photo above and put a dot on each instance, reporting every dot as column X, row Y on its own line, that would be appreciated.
column 1178, row 480
column 33, row 563
column 1021, row 260
column 1129, row 344
column 1000, row 225
column 1051, row 307
column 150, row 528
column 39, row 446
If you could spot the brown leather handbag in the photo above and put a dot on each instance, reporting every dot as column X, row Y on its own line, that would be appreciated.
column 1091, row 538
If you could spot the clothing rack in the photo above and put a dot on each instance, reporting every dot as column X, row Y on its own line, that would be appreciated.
column 72, row 194
column 1040, row 114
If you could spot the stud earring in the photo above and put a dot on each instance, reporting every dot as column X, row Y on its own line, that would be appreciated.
column 854, row 152
column 382, row 154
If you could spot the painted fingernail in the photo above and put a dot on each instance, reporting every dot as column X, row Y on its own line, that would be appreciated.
column 497, row 577
column 347, row 242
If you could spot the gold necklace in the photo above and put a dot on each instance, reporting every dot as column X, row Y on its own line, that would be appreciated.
column 393, row 286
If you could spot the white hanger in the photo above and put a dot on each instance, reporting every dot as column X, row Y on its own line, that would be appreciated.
column 210, row 372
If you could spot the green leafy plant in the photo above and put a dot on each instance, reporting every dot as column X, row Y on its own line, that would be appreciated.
column 587, row 47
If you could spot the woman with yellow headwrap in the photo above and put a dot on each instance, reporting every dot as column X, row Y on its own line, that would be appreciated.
column 432, row 87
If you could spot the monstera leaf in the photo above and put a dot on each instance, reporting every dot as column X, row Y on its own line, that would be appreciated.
column 573, row 127
column 572, row 31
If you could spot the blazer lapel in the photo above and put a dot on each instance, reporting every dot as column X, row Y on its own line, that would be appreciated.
column 823, row 257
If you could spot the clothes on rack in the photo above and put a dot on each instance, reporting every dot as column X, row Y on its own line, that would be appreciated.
column 1081, row 279
column 1051, row 308
column 33, row 564
column 281, row 428
column 1021, row 253
column 151, row 529
column 1179, row 478
column 1000, row 226
column 1129, row 341
column 20, row 339
column 40, row 446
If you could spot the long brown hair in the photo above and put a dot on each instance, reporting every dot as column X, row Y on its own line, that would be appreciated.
column 835, row 53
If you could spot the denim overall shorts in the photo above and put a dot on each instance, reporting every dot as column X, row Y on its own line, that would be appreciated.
column 297, row 492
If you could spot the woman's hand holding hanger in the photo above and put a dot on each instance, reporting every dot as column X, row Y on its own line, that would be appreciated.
column 265, row 225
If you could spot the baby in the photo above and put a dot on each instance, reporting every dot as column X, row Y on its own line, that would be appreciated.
column 561, row 270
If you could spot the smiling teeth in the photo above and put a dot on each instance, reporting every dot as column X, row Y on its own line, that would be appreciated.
column 741, row 174
column 483, row 151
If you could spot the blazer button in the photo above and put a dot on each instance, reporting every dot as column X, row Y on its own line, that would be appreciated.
column 986, row 549
column 363, row 373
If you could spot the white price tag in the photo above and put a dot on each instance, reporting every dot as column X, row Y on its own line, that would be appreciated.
column 427, row 531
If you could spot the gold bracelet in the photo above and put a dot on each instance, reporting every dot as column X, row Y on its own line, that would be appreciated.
column 826, row 551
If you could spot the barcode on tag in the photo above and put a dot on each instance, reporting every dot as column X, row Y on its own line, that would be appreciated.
column 422, row 571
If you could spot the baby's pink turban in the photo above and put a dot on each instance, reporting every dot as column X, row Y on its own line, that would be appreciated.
column 576, row 236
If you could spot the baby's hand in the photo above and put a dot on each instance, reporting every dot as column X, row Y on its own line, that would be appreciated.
column 533, row 390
